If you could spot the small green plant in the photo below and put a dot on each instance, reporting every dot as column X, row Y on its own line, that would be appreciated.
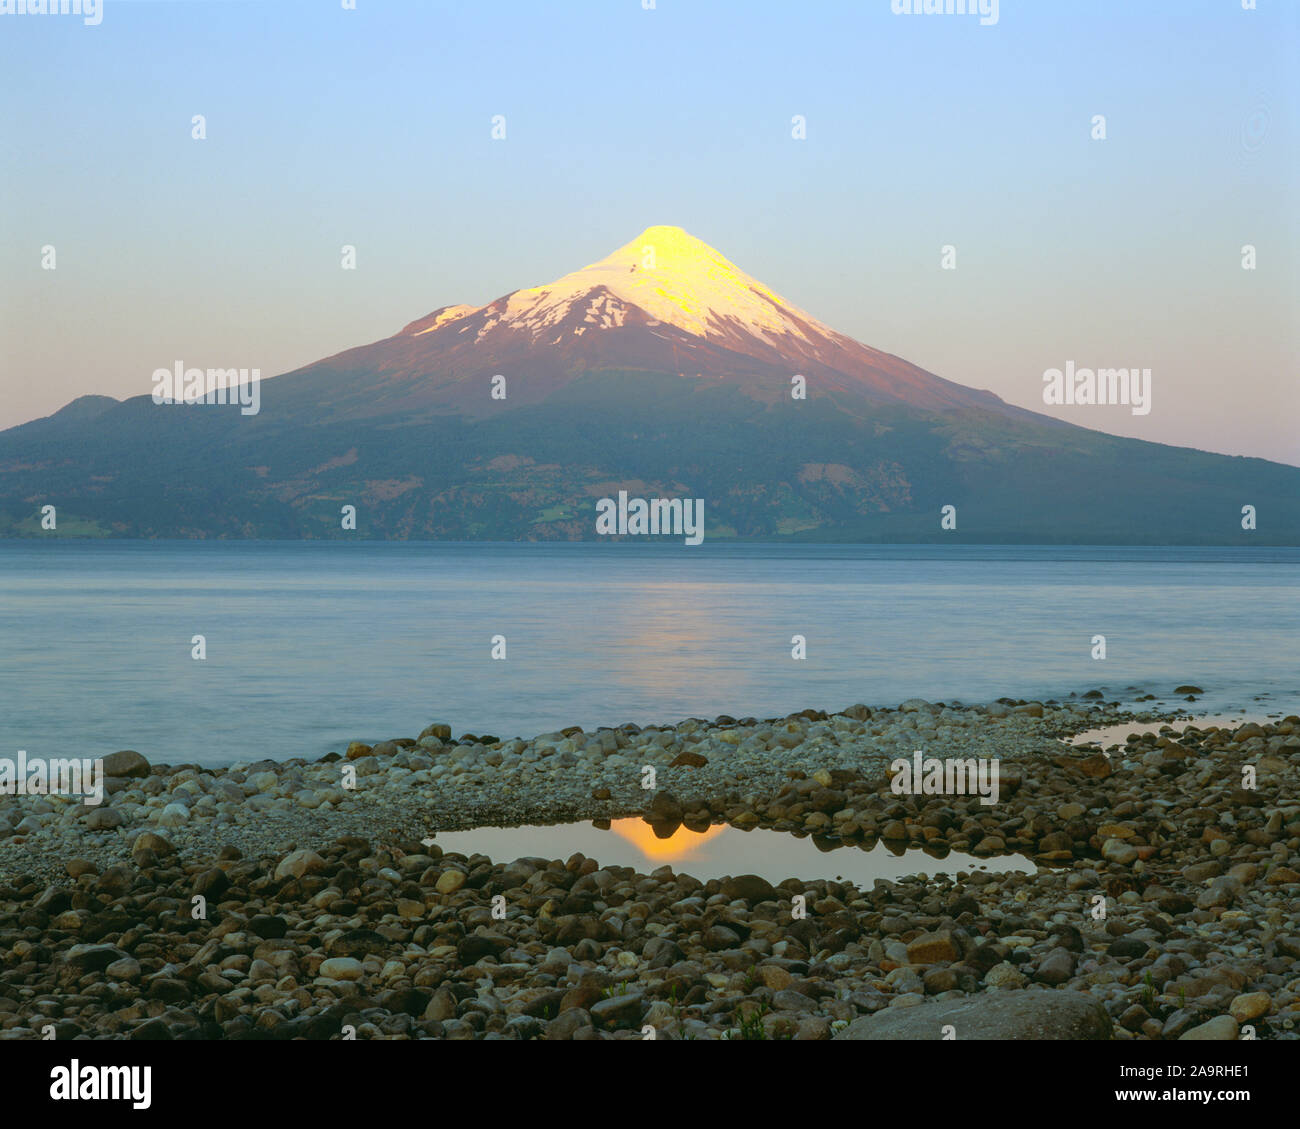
column 678, row 1007
column 1148, row 992
column 751, row 1022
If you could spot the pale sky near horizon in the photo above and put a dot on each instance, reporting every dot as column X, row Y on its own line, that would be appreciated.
column 372, row 127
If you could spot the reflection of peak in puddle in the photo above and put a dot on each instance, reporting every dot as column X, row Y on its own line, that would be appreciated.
column 657, row 847
column 719, row 850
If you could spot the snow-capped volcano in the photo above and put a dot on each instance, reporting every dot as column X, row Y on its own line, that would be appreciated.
column 663, row 368
column 664, row 302
column 672, row 278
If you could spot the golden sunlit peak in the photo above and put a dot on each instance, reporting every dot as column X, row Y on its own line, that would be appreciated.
column 673, row 277
column 667, row 231
column 670, row 276
column 663, row 246
column 673, row 242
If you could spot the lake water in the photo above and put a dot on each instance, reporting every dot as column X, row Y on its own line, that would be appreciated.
column 312, row 644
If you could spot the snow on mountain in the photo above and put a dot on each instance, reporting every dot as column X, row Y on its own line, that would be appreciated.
column 665, row 276
column 673, row 277
column 664, row 302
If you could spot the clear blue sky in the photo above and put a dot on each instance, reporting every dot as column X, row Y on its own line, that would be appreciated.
column 372, row 127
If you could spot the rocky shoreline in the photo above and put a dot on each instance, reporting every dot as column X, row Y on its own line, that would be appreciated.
column 328, row 912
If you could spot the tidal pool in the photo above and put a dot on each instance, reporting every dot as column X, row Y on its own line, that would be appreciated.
column 1116, row 736
column 718, row 851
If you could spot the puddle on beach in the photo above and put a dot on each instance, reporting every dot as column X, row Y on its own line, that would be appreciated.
column 1112, row 735
column 718, row 851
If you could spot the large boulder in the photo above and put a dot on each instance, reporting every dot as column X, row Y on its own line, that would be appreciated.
column 298, row 863
column 126, row 763
column 1028, row 1014
column 748, row 888
column 151, row 841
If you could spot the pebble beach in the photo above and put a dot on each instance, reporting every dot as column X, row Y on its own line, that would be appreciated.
column 295, row 899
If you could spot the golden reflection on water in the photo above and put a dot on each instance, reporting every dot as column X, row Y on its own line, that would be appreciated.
column 665, row 637
column 681, row 844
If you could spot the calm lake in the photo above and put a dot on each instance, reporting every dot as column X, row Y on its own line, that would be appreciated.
column 312, row 644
